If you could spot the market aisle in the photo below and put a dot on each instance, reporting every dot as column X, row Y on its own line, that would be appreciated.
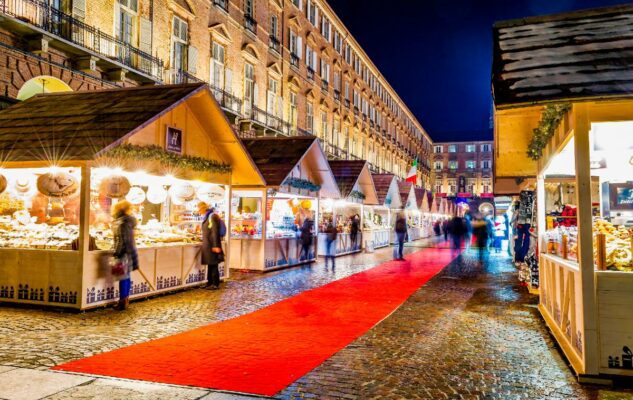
column 265, row 351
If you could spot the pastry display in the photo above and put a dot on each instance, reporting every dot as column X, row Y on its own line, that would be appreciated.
column 3, row 183
column 618, row 245
column 115, row 186
column 37, row 236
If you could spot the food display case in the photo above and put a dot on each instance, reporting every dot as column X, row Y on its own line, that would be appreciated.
column 343, row 214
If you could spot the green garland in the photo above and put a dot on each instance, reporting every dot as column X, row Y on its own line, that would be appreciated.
column 550, row 121
column 166, row 158
column 299, row 183
column 355, row 194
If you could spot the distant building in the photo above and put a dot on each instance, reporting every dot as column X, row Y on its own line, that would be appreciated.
column 463, row 169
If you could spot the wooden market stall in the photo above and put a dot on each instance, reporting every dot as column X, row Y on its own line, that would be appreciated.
column 409, row 209
column 267, row 219
column 571, row 128
column 356, row 186
column 67, row 158
column 380, row 219
column 424, row 225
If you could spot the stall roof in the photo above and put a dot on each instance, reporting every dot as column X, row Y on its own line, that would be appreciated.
column 405, row 188
column 277, row 157
column 419, row 196
column 382, row 183
column 78, row 125
column 568, row 56
column 354, row 173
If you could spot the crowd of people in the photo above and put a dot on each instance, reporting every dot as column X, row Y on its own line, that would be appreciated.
column 472, row 228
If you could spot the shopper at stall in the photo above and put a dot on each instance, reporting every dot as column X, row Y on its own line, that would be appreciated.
column 211, row 251
column 125, row 253
column 401, row 233
column 330, row 243
column 306, row 238
column 353, row 231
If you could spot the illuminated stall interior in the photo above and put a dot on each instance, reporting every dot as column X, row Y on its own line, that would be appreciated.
column 69, row 157
column 356, row 187
column 379, row 220
column 266, row 220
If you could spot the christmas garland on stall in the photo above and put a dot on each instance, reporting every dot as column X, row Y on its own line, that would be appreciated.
column 299, row 183
column 550, row 121
column 355, row 194
column 166, row 158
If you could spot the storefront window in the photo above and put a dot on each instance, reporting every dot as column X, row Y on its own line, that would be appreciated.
column 165, row 207
column 39, row 208
column 287, row 214
column 246, row 215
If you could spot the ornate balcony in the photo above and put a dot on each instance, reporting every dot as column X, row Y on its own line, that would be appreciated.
column 34, row 17
column 178, row 76
column 337, row 95
column 310, row 73
column 324, row 85
column 250, row 24
column 294, row 60
column 227, row 101
column 223, row 4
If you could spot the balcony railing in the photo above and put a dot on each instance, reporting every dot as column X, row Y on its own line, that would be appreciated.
column 324, row 85
column 310, row 73
column 178, row 76
column 294, row 60
column 250, row 24
column 335, row 152
column 227, row 101
column 41, row 15
column 223, row 4
column 274, row 44
column 303, row 132
column 337, row 95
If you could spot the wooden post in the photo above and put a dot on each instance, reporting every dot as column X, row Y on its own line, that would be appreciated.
column 585, row 239
column 565, row 246
column 84, row 226
column 228, row 196
column 601, row 243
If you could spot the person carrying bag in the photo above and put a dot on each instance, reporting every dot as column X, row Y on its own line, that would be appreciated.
column 125, row 256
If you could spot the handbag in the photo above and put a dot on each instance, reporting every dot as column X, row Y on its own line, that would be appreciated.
column 119, row 267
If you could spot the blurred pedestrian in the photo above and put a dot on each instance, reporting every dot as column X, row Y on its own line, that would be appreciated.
column 468, row 234
column 445, row 228
column 353, row 231
column 457, row 229
column 330, row 243
column 401, row 233
column 306, row 239
column 212, row 254
column 125, row 254
column 480, row 231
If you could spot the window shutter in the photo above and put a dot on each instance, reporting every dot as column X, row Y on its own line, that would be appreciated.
column 299, row 47
column 117, row 19
column 145, row 35
column 79, row 9
column 228, row 80
column 192, row 59
column 279, row 107
column 255, row 94
column 316, row 15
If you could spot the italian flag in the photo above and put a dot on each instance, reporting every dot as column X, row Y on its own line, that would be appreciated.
column 412, row 176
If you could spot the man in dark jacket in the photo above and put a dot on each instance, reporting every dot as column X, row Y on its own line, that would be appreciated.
column 306, row 239
column 353, row 232
column 330, row 244
column 401, row 233
column 212, row 254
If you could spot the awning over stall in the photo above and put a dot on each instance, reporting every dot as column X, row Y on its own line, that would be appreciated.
column 354, row 176
column 292, row 162
column 387, row 190
column 81, row 126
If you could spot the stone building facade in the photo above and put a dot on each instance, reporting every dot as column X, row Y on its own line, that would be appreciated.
column 277, row 67
column 463, row 169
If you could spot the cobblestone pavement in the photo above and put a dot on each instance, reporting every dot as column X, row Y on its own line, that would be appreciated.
column 470, row 332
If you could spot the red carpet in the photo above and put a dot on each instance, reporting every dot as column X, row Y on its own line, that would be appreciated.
column 265, row 351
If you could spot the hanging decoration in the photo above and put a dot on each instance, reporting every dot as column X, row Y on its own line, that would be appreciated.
column 156, row 194
column 182, row 192
column 299, row 183
column 136, row 196
column 550, row 121
column 166, row 158
column 57, row 184
column 355, row 194
column 115, row 186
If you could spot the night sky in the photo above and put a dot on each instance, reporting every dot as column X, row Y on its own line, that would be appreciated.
column 437, row 54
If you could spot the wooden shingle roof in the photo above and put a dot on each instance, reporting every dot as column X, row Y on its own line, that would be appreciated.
column 419, row 196
column 276, row 157
column 79, row 125
column 346, row 173
column 405, row 190
column 382, row 182
column 569, row 56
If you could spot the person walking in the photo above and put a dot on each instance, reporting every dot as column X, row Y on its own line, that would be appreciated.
column 401, row 233
column 445, row 228
column 353, row 231
column 212, row 254
column 480, row 231
column 457, row 229
column 125, row 253
column 306, row 238
column 330, row 244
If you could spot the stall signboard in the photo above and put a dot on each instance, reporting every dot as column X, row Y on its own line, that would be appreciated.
column 173, row 141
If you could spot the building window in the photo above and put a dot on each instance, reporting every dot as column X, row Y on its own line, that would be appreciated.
column 295, row 44
column 485, row 164
column 249, row 87
column 179, row 44
column 324, row 130
column 248, row 8
column 438, row 188
column 438, row 165
column 274, row 26
column 326, row 28
column 452, row 165
column 470, row 185
column 217, row 66
column 452, row 148
column 293, row 109
column 452, row 185
column 273, row 101
column 310, row 117
column 312, row 12
column 486, row 185
column 311, row 61
column 471, row 164
column 471, row 148
column 437, row 149
column 297, row 3
column 126, row 12
column 325, row 71
column 485, row 147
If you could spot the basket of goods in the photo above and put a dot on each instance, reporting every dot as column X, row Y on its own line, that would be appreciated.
column 57, row 184
column 115, row 186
